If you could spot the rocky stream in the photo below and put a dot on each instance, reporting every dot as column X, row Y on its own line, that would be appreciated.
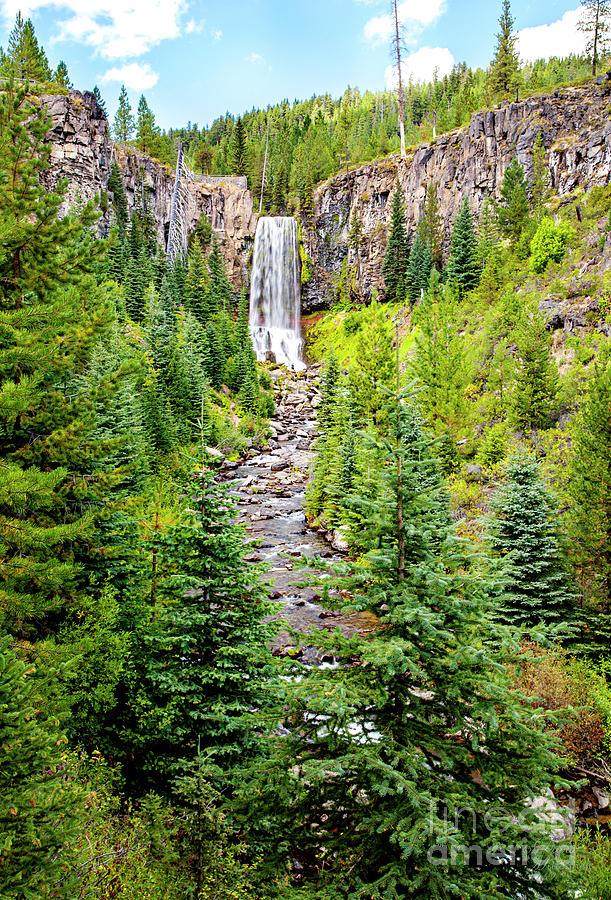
column 269, row 486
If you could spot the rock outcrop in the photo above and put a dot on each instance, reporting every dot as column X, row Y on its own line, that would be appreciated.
column 575, row 124
column 82, row 152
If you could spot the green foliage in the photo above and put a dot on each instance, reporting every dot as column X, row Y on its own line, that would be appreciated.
column 463, row 265
column 146, row 129
column 368, row 731
column 373, row 369
column 539, row 182
column 494, row 446
column 431, row 225
column 549, row 244
column 536, row 376
column 419, row 267
column 590, row 484
column 397, row 251
column 25, row 59
column 504, row 68
column 41, row 804
column 210, row 611
column 124, row 124
column 525, row 534
column 513, row 209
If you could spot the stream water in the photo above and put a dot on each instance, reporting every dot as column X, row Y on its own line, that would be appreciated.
column 270, row 488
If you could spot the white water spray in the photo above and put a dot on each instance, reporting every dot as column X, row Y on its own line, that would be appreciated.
column 275, row 294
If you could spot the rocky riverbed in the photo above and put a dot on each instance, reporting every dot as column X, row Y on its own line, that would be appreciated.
column 270, row 489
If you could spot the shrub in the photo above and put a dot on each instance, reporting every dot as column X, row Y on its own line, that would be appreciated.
column 599, row 201
column 549, row 244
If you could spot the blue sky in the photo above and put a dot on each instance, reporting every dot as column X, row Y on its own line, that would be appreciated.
column 195, row 60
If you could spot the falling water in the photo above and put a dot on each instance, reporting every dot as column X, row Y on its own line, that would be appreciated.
column 275, row 294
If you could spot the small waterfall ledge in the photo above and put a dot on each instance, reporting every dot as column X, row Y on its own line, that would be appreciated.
column 275, row 294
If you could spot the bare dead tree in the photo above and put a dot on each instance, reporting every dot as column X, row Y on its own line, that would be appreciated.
column 396, row 54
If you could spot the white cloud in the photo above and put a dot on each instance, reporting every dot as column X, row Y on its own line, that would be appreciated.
column 258, row 60
column 115, row 29
column 193, row 27
column 559, row 38
column 420, row 66
column 135, row 76
column 217, row 35
column 414, row 15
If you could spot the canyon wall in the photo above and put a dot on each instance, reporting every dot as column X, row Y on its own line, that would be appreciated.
column 83, row 152
column 575, row 124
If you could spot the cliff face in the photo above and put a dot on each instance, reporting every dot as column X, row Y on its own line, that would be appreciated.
column 576, row 128
column 82, row 152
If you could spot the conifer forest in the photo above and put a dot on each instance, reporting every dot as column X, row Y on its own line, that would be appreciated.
column 305, row 487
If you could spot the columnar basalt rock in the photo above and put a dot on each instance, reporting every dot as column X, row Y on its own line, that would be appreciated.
column 83, row 152
column 470, row 162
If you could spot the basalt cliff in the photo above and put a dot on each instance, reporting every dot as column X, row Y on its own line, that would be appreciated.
column 82, row 152
column 575, row 124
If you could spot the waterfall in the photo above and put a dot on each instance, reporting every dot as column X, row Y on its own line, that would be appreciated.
column 275, row 294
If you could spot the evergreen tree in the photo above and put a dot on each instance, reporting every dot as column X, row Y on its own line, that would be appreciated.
column 220, row 293
column 48, row 299
column 463, row 266
column 146, row 129
column 513, row 209
column 238, row 149
column 397, row 252
column 370, row 786
column 431, row 225
column 488, row 237
column 596, row 23
column 536, row 376
column 504, row 68
column 119, row 201
column 24, row 59
column 525, row 533
column 61, row 76
column 40, row 801
column 197, row 298
column 589, row 485
column 124, row 121
column 439, row 363
column 373, row 369
column 419, row 267
column 306, row 199
column 207, row 661
column 99, row 99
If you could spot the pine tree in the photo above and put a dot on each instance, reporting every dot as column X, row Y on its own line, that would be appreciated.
column 306, row 200
column 40, row 801
column 220, row 293
column 99, row 99
column 238, row 149
column 24, row 59
column 419, row 267
column 397, row 252
column 119, row 201
column 536, row 376
column 373, row 369
column 124, row 121
column 463, row 265
column 209, row 615
column 61, row 76
column 369, row 789
column 525, row 533
column 488, row 237
column 146, row 129
column 439, row 363
column 505, row 66
column 596, row 23
column 589, row 486
column 513, row 208
column 431, row 225
column 198, row 285
column 48, row 299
